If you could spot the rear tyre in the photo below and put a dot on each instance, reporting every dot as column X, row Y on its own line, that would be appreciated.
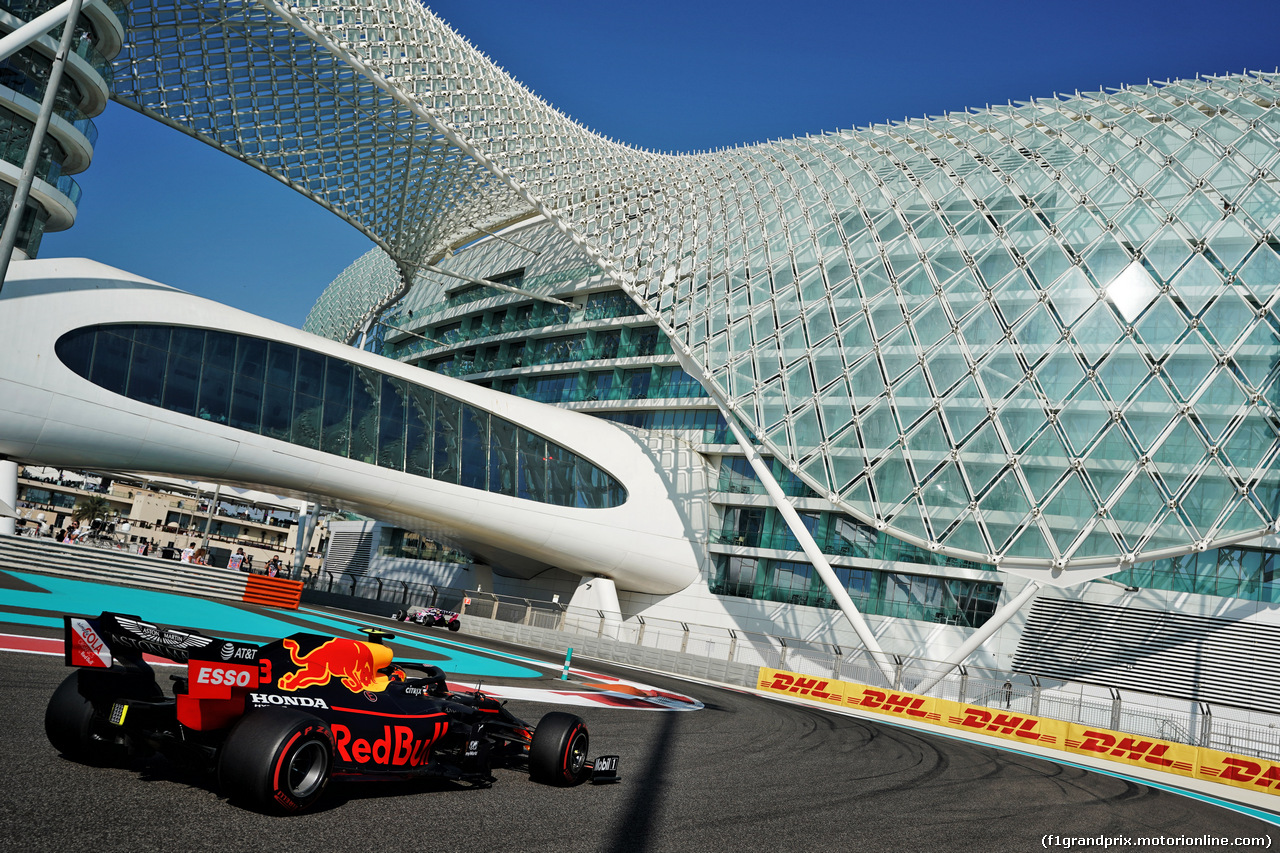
column 455, row 625
column 75, row 720
column 276, row 760
column 558, row 754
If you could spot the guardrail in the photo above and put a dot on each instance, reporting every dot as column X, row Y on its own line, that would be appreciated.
column 108, row 565
column 739, row 655
column 730, row 656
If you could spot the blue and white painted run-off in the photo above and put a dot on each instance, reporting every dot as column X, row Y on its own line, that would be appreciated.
column 58, row 596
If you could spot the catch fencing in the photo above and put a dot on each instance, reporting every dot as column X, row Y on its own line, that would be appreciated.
column 734, row 656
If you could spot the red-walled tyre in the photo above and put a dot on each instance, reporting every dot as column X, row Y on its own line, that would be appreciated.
column 276, row 760
column 558, row 754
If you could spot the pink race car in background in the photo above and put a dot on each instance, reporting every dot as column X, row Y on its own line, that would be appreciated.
column 432, row 617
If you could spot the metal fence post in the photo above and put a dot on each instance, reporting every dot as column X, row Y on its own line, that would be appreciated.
column 835, row 663
column 733, row 643
column 782, row 653
column 640, row 636
column 1206, row 724
column 684, row 642
column 528, row 611
column 964, row 683
column 379, row 580
column 600, row 632
column 897, row 672
column 1115, row 708
column 560, row 621
column 1035, row 695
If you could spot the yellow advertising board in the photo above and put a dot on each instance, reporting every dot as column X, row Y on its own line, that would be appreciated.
column 1148, row 753
column 1255, row 774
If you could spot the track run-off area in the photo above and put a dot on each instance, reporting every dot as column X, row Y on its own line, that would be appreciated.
column 704, row 768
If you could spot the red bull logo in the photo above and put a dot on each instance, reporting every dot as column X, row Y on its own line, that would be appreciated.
column 396, row 748
column 350, row 661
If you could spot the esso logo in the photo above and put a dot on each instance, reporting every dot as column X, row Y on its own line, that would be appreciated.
column 229, row 677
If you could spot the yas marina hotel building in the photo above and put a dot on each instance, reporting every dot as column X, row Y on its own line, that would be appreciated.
column 997, row 386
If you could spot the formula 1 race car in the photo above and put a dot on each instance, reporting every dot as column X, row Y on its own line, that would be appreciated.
column 431, row 617
column 278, row 721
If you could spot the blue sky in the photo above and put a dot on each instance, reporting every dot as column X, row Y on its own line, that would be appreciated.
column 666, row 75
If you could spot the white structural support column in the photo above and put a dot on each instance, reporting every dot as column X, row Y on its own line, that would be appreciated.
column 8, row 496
column 980, row 636
column 599, row 594
column 32, row 30
column 812, row 551
column 208, row 519
column 302, row 538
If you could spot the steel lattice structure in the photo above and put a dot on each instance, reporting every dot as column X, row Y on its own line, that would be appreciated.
column 1041, row 336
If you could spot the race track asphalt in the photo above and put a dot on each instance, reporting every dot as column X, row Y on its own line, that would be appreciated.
column 743, row 774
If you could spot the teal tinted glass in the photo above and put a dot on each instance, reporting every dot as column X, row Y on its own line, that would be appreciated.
column 325, row 403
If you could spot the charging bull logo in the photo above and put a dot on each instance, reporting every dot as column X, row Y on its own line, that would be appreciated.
column 350, row 661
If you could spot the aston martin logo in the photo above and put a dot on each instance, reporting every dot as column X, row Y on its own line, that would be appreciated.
column 168, row 637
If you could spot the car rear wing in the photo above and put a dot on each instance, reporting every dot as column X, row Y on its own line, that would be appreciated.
column 119, row 638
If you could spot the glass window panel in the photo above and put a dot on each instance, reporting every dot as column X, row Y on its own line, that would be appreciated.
column 418, row 433
column 281, row 364
column 365, row 391
column 215, row 394
column 310, row 369
column 475, row 447
column 335, row 436
column 305, row 424
column 220, row 349
column 277, row 411
column 111, row 361
column 182, row 384
column 391, row 424
column 188, row 343
column 532, row 473
column 251, row 357
column 75, row 349
column 502, row 456
column 447, row 439
column 152, row 336
column 246, row 403
column 146, row 375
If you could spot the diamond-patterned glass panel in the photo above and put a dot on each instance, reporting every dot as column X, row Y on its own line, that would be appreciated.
column 1105, row 301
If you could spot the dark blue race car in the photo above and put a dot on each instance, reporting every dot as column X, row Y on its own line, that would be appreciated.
column 278, row 721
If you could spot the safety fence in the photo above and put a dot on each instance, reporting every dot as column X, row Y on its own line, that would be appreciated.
column 1149, row 716
column 1095, row 741
column 728, row 655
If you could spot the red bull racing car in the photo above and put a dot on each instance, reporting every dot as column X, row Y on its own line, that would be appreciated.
column 278, row 721
column 429, row 617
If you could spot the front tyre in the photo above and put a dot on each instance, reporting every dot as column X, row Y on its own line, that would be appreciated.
column 276, row 760
column 558, row 754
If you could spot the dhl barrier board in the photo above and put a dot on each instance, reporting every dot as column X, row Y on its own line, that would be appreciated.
column 1180, row 759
